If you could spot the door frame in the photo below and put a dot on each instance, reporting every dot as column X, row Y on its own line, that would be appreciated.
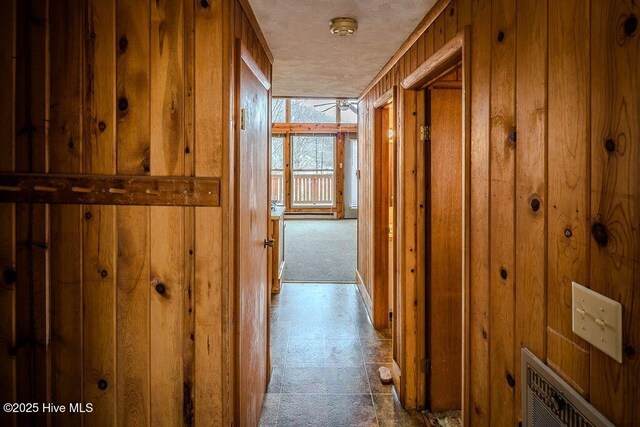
column 243, row 54
column 411, row 227
column 380, row 297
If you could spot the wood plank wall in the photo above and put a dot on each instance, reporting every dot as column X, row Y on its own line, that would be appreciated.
column 118, row 87
column 562, row 204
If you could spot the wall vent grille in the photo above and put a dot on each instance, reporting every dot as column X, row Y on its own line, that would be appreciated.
column 548, row 401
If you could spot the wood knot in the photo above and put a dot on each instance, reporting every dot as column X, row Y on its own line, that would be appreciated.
column 535, row 204
column 204, row 4
column 9, row 276
column 503, row 273
column 88, row 215
column 102, row 384
column 510, row 380
column 500, row 36
column 610, row 145
column 513, row 136
column 123, row 104
column 484, row 334
column 104, row 273
column 629, row 351
column 160, row 288
column 630, row 25
column 600, row 234
column 123, row 43
column 568, row 233
column 102, row 126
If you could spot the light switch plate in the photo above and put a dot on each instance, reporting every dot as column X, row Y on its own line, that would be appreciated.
column 598, row 320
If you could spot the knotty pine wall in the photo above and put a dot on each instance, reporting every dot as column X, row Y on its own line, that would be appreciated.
column 129, row 87
column 564, row 75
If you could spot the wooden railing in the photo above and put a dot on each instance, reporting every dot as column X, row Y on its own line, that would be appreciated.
column 312, row 188
column 309, row 188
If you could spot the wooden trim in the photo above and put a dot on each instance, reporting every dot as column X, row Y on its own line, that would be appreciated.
column 246, row 56
column 366, row 299
column 246, row 7
column 385, row 98
column 466, row 225
column 109, row 190
column 453, row 53
column 444, row 59
column 314, row 128
column 426, row 22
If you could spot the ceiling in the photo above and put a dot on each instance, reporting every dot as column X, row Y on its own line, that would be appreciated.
column 309, row 61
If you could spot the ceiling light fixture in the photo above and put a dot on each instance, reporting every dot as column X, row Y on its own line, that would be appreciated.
column 343, row 26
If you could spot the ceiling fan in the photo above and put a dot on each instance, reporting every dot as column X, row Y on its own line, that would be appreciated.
column 342, row 104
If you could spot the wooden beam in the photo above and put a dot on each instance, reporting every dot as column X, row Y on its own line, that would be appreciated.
column 446, row 57
column 426, row 22
column 109, row 190
column 314, row 128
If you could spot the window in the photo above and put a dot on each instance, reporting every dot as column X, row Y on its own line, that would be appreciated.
column 349, row 111
column 313, row 110
column 279, row 110
column 277, row 169
column 313, row 170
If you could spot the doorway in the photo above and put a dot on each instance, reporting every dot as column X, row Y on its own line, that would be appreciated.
column 443, row 187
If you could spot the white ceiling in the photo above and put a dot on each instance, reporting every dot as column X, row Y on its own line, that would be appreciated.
column 309, row 61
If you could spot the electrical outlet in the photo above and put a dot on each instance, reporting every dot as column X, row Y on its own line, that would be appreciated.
column 598, row 320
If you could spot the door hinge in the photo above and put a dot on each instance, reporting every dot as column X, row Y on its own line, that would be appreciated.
column 242, row 112
column 357, row 173
column 426, row 366
column 425, row 133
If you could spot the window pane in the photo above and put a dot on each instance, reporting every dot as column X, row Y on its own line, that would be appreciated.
column 347, row 115
column 313, row 152
column 277, row 175
column 313, row 111
column 313, row 170
column 279, row 110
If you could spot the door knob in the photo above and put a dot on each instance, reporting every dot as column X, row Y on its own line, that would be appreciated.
column 269, row 243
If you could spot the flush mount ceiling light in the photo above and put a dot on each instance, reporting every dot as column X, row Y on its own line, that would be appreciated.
column 343, row 26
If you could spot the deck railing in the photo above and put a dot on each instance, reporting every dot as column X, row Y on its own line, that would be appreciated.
column 309, row 188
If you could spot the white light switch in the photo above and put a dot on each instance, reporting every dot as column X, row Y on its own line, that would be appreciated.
column 598, row 320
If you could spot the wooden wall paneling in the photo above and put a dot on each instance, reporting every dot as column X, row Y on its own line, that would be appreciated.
column 503, row 383
column 8, row 211
column 421, row 49
column 568, row 185
column 208, row 368
column 66, row 22
column 615, row 199
column 407, row 204
column 133, row 151
column 99, row 222
column 451, row 21
column 166, row 240
column 33, row 363
column 531, row 200
column 188, row 305
column 439, row 37
column 480, row 399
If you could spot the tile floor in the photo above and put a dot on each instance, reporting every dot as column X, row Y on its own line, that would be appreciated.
column 325, row 357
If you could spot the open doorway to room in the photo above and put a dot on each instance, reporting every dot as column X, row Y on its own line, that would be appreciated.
column 314, row 190
column 443, row 243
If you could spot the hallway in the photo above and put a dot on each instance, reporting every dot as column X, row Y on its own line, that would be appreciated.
column 325, row 357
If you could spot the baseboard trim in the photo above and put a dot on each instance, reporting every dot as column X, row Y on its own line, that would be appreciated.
column 366, row 298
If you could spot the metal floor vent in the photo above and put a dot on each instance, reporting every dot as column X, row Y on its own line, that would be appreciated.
column 548, row 401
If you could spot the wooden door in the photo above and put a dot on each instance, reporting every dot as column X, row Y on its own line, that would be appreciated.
column 444, row 249
column 252, row 224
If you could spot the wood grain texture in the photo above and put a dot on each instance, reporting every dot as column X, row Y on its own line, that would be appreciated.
column 166, row 258
column 132, row 275
column 531, row 167
column 568, row 185
column 443, row 236
column 615, row 198
column 502, row 274
column 7, row 211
